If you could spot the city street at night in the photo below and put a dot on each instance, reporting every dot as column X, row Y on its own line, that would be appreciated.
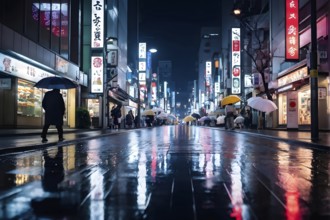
column 167, row 172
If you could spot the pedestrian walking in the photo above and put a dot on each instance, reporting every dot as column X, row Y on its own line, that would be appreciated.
column 136, row 121
column 116, row 115
column 229, row 120
column 260, row 121
column 247, row 118
column 150, row 120
column 54, row 107
column 129, row 119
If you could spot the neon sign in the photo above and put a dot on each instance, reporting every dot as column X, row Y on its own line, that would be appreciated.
column 291, row 30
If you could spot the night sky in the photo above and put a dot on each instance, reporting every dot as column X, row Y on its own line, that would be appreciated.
column 173, row 27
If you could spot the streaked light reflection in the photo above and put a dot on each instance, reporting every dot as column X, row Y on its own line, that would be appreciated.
column 96, row 207
column 142, row 182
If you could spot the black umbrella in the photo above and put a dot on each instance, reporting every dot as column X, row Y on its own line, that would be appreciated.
column 54, row 82
column 195, row 115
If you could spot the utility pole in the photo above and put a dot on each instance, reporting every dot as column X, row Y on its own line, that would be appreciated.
column 137, row 63
column 314, row 76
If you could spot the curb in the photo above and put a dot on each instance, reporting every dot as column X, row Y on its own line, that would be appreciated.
column 13, row 150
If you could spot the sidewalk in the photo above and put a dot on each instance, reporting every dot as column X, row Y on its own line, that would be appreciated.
column 302, row 137
column 15, row 140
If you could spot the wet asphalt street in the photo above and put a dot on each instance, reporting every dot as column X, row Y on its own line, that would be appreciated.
column 168, row 172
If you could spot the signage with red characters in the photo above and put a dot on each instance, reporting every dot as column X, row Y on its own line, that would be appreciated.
column 291, row 30
column 236, row 60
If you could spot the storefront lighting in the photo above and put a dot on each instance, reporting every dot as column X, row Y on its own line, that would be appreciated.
column 285, row 88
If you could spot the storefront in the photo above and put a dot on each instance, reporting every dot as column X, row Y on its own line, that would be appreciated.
column 21, row 102
column 294, row 99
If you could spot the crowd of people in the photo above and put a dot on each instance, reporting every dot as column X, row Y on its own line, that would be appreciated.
column 130, row 121
column 233, row 118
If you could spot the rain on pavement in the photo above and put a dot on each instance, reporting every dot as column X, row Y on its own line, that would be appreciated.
column 168, row 172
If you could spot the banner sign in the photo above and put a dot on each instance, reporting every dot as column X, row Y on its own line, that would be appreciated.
column 97, row 74
column 291, row 30
column 97, row 26
column 21, row 69
column 236, row 61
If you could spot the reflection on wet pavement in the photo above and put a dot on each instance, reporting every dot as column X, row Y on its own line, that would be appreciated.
column 169, row 172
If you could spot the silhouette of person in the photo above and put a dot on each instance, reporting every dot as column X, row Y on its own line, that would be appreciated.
column 53, row 104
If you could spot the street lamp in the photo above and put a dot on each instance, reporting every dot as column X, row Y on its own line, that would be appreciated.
column 153, row 50
column 237, row 11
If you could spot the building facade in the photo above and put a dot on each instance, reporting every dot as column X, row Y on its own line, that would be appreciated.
column 37, row 40
column 210, row 46
column 291, row 79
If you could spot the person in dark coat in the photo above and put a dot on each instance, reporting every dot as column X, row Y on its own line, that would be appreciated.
column 129, row 119
column 116, row 115
column 54, row 107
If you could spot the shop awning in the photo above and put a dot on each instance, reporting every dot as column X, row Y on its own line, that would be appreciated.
column 120, row 95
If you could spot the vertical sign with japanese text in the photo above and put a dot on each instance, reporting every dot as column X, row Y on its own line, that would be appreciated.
column 236, row 61
column 97, row 26
column 142, row 70
column 208, row 73
column 97, row 74
column 291, row 30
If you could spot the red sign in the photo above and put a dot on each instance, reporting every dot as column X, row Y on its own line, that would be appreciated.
column 236, row 46
column 291, row 30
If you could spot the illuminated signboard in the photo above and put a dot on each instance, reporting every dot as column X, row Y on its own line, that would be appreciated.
column 97, row 74
column 142, row 50
column 142, row 62
column 153, row 91
column 291, row 30
column 97, row 29
column 208, row 72
column 235, row 61
column 21, row 69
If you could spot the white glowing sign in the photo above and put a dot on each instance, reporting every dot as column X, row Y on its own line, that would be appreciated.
column 236, row 61
column 97, row 74
column 142, row 50
column 97, row 27
column 21, row 69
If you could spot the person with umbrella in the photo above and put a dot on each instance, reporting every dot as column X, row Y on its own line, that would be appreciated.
column 229, row 120
column 54, row 107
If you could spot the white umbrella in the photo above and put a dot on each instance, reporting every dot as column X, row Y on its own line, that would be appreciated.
column 221, row 119
column 171, row 117
column 162, row 115
column 260, row 104
column 239, row 119
column 203, row 118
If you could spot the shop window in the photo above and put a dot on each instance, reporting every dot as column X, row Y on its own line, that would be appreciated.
column 93, row 107
column 32, row 16
column 304, row 104
column 29, row 99
column 64, row 29
column 282, row 107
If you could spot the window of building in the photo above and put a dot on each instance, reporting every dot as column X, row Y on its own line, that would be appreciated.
column 282, row 109
column 304, row 105
column 29, row 99
column 64, row 29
